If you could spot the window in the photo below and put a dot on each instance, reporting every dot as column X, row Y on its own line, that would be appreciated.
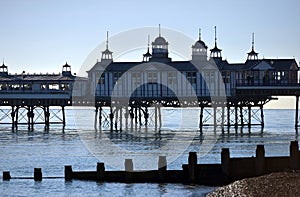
column 136, row 79
column 172, row 79
column 117, row 76
column 191, row 77
column 54, row 86
column 101, row 79
column 152, row 77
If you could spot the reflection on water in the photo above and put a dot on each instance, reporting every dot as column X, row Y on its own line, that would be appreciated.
column 81, row 146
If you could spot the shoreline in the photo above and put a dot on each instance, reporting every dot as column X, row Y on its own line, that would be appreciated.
column 274, row 184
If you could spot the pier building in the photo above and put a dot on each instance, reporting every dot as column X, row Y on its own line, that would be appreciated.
column 29, row 98
column 231, row 94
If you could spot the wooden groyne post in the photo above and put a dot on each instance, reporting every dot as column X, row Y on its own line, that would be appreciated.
column 38, row 176
column 260, row 160
column 192, row 166
column 68, row 173
column 294, row 155
column 100, row 171
column 6, row 176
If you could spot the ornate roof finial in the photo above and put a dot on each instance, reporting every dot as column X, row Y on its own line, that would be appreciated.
column 148, row 42
column 159, row 30
column 215, row 35
column 253, row 41
column 106, row 39
column 199, row 33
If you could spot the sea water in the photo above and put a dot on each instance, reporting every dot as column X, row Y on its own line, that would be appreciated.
column 81, row 145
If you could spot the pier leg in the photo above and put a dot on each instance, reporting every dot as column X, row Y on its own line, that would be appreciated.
column 136, row 116
column 13, row 117
column 146, row 116
column 242, row 116
column 262, row 116
column 249, row 116
column 222, row 117
column 111, row 118
column 121, row 117
column 228, row 116
column 46, row 117
column 215, row 117
column 297, row 112
column 63, row 115
column 140, row 116
column 17, row 117
column 117, row 118
column 201, row 119
column 100, row 117
column 236, row 116
column 155, row 117
column 96, row 117
column 159, row 117
column 131, row 118
column 126, row 118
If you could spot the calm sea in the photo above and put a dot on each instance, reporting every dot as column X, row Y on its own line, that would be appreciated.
column 81, row 146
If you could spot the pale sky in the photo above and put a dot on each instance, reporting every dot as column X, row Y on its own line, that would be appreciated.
column 41, row 35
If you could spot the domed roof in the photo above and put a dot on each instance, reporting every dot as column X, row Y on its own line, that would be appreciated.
column 160, row 41
column 199, row 44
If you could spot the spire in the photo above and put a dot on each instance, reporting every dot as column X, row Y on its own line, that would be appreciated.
column 252, row 55
column 107, row 40
column 253, row 41
column 215, row 52
column 148, row 42
column 147, row 55
column 215, row 36
column 107, row 54
column 159, row 30
column 199, row 33
column 3, row 69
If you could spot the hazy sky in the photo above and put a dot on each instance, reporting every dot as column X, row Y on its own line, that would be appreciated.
column 41, row 35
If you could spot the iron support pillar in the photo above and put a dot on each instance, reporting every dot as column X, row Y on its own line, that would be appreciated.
column 201, row 119
column 262, row 116
column 249, row 116
column 297, row 113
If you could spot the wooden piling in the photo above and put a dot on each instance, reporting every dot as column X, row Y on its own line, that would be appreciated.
column 249, row 116
column 68, row 173
column 38, row 176
column 260, row 160
column 225, row 162
column 192, row 166
column 162, row 168
column 6, row 176
column 100, row 171
column 128, row 165
column 294, row 155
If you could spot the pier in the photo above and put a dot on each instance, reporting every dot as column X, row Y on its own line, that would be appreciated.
column 132, row 94
column 35, row 98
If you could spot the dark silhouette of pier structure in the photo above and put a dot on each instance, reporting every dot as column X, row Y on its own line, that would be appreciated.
column 29, row 98
column 226, row 94
column 132, row 94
